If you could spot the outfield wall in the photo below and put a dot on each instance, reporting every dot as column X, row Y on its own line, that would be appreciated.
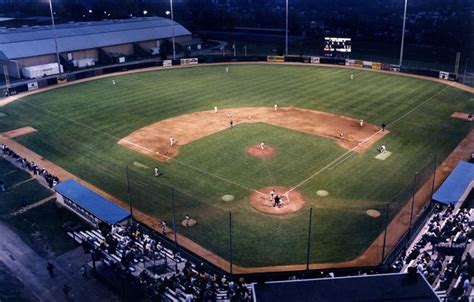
column 21, row 87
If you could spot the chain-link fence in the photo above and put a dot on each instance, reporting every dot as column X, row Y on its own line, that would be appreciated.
column 230, row 238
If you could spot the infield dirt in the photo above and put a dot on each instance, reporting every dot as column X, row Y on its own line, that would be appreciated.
column 154, row 140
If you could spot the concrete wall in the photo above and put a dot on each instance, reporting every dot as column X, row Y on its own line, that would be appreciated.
column 125, row 49
column 12, row 68
column 148, row 44
column 84, row 54
column 39, row 60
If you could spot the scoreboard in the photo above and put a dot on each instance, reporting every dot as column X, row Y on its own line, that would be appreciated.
column 337, row 44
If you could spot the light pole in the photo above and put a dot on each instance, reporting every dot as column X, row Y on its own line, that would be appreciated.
column 465, row 68
column 172, row 28
column 55, row 38
column 403, row 34
column 286, row 30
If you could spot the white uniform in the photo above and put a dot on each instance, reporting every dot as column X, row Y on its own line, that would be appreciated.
column 352, row 76
column 262, row 145
column 361, row 123
column 171, row 141
column 113, row 82
column 227, row 69
column 215, row 109
column 271, row 195
column 382, row 149
column 275, row 107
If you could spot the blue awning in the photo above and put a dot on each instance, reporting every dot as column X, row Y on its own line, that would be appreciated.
column 92, row 202
column 457, row 186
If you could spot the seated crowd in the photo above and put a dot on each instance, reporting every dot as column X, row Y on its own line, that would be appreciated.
column 50, row 179
column 131, row 253
column 438, row 254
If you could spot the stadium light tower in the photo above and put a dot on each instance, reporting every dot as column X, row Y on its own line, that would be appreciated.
column 286, row 30
column 403, row 33
column 170, row 12
column 55, row 38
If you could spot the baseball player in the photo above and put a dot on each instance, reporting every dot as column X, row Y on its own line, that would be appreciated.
column 352, row 76
column 215, row 109
column 382, row 149
column 361, row 123
column 341, row 136
column 229, row 115
column 262, row 145
column 187, row 218
column 275, row 107
column 163, row 227
column 231, row 124
column 383, row 126
column 157, row 172
column 271, row 195
column 113, row 82
column 227, row 69
column 171, row 140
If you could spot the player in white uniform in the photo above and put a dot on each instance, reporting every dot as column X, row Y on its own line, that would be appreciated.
column 262, row 145
column 352, row 76
column 275, row 107
column 361, row 123
column 215, row 109
column 171, row 140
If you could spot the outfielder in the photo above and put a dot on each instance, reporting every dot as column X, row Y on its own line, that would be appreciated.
column 113, row 82
column 352, row 76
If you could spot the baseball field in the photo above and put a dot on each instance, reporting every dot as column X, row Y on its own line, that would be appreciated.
column 95, row 129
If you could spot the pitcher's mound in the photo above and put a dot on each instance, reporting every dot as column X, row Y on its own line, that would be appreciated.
column 290, row 202
column 267, row 152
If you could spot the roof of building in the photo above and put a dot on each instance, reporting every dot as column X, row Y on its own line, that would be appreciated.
column 386, row 287
column 92, row 202
column 33, row 41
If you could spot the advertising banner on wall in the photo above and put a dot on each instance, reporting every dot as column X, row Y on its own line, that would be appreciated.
column 315, row 60
column 278, row 59
column 189, row 61
column 33, row 86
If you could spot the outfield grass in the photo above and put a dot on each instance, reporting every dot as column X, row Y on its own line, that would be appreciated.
column 80, row 125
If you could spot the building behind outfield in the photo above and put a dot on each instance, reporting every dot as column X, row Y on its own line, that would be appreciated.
column 85, row 44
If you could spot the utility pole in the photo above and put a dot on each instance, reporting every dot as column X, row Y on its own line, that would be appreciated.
column 286, row 30
column 403, row 33
column 55, row 39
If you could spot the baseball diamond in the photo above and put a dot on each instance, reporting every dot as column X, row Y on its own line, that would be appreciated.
column 318, row 143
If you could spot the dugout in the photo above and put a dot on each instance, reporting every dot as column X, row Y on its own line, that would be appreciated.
column 387, row 287
column 457, row 186
column 89, row 205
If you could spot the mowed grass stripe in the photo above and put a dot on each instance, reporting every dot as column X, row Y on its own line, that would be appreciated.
column 360, row 181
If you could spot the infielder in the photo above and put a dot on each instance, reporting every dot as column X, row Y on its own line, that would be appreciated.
column 341, row 136
column 229, row 115
column 171, row 140
column 262, row 145
column 361, row 123
column 215, row 109
column 275, row 107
